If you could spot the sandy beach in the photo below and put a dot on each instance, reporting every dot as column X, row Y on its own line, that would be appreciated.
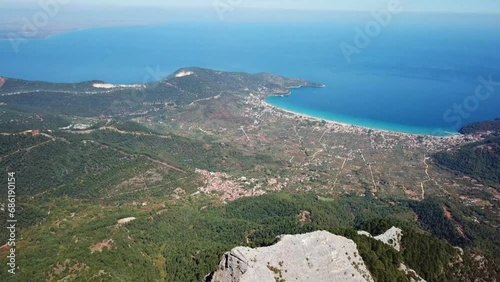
column 358, row 128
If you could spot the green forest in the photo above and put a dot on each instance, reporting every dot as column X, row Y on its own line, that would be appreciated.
column 493, row 125
column 185, row 242
column 74, row 185
column 480, row 160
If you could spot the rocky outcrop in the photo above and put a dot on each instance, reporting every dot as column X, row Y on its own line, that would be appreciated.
column 411, row 274
column 318, row 256
column 391, row 237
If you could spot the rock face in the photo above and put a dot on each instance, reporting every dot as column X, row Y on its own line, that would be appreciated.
column 391, row 237
column 126, row 220
column 411, row 274
column 318, row 256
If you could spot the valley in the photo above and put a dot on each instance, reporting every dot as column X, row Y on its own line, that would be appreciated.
column 204, row 165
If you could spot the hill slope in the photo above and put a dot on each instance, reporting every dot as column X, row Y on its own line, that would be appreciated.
column 97, row 98
column 155, row 182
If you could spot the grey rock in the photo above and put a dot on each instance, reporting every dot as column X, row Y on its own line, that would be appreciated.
column 318, row 256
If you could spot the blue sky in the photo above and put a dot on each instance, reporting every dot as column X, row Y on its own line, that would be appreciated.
column 451, row 6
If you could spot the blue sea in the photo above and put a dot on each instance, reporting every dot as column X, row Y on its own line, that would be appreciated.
column 424, row 75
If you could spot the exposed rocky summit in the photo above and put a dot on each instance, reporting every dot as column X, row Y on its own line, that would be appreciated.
column 318, row 256
column 391, row 237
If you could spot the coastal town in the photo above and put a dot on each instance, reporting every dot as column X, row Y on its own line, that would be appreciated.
column 259, row 107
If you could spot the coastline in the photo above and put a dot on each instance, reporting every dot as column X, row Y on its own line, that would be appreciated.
column 51, row 34
column 344, row 125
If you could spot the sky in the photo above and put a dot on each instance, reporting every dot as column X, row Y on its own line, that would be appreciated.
column 448, row 6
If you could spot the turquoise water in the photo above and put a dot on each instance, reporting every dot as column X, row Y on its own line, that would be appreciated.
column 408, row 79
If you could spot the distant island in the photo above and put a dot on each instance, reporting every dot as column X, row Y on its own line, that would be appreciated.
column 23, row 24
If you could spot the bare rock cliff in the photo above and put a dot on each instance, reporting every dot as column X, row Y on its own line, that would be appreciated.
column 318, row 256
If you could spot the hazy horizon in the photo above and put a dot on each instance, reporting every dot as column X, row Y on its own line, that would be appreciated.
column 428, row 6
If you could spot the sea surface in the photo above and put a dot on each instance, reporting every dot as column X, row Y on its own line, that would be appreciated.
column 417, row 75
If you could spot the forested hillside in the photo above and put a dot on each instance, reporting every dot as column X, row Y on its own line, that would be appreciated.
column 85, row 99
column 480, row 160
column 155, row 182
column 493, row 125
